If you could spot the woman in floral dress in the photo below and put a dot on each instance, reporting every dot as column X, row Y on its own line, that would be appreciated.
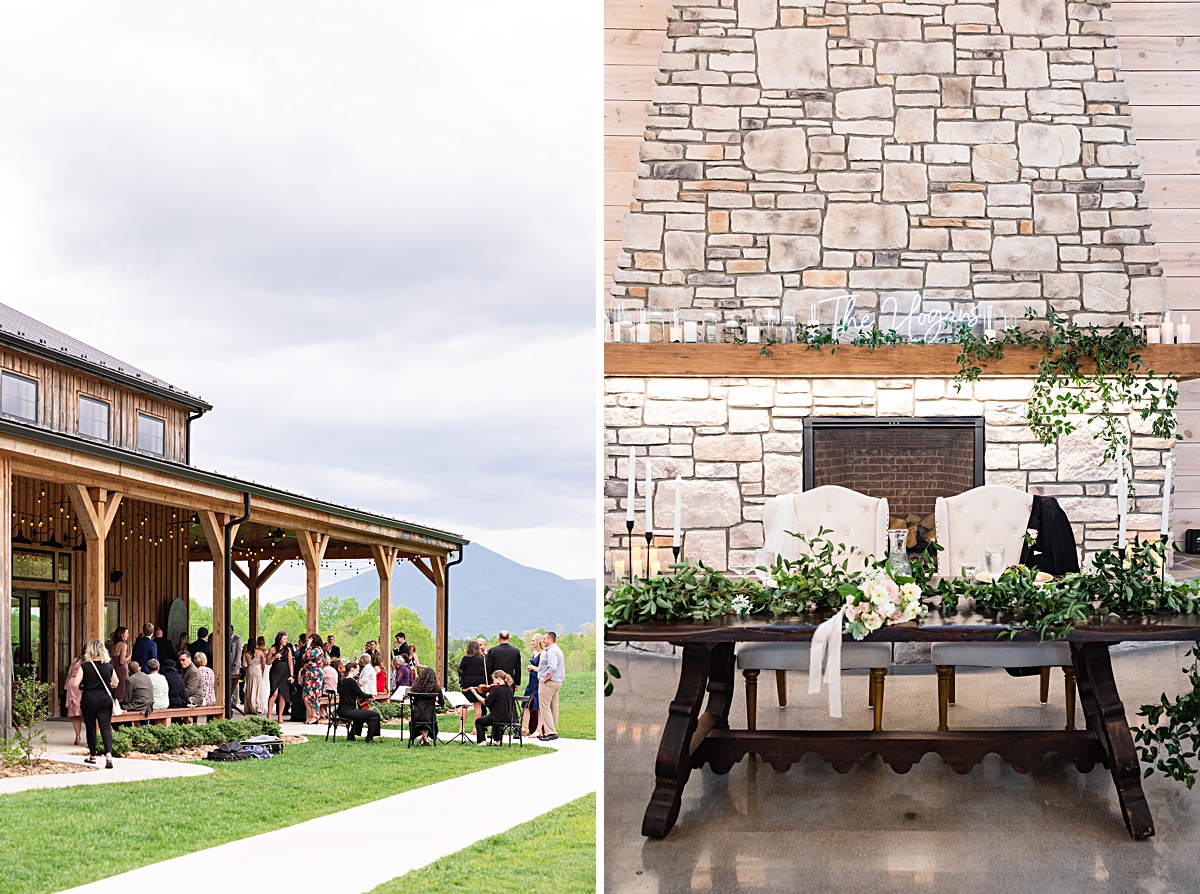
column 312, row 679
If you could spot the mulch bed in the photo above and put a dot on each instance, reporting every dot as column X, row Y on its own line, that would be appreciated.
column 40, row 768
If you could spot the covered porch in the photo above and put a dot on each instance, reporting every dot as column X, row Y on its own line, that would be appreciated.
column 101, row 538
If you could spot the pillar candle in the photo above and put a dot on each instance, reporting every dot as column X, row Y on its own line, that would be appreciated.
column 649, row 499
column 1183, row 332
column 1167, row 330
column 689, row 331
column 632, row 487
column 1165, row 528
column 677, row 537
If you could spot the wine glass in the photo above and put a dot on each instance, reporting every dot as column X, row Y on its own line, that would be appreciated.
column 741, row 566
column 970, row 570
column 993, row 561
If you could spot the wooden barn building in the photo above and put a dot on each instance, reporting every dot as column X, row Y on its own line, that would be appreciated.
column 107, row 511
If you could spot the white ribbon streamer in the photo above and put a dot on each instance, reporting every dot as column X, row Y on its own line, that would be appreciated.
column 827, row 648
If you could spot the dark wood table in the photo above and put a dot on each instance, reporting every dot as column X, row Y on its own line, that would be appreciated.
column 692, row 737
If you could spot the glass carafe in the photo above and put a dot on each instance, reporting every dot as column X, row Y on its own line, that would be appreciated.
column 898, row 552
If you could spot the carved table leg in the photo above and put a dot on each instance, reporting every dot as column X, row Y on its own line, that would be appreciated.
column 721, row 676
column 674, row 762
column 1106, row 717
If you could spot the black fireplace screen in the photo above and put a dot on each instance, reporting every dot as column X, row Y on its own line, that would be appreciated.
column 910, row 461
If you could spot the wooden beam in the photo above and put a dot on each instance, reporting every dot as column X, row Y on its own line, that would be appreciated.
column 213, row 525
column 257, row 579
column 6, row 655
column 312, row 548
column 95, row 508
column 385, row 564
column 419, row 562
column 847, row 362
column 243, row 576
column 439, row 625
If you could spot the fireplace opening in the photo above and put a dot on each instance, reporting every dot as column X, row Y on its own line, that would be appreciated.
column 910, row 461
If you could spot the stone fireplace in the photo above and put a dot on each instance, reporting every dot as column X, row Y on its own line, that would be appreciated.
column 976, row 155
column 909, row 461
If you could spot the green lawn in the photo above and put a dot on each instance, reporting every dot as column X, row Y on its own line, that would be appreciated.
column 59, row 838
column 576, row 710
column 566, row 837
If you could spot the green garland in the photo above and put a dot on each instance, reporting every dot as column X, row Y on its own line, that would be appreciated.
column 1062, row 390
column 1169, row 742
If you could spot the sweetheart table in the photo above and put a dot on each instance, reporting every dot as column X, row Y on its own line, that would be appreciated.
column 696, row 734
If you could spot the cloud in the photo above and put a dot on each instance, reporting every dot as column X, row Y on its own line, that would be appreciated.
column 367, row 237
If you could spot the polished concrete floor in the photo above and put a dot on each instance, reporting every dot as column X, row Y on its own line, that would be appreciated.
column 873, row 830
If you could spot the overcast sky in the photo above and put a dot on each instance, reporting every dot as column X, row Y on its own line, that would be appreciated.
column 364, row 232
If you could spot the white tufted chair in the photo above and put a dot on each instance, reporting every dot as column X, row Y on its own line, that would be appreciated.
column 967, row 525
column 860, row 523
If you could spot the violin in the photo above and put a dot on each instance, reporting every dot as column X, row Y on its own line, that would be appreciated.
column 483, row 687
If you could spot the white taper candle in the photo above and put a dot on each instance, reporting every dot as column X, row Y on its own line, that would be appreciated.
column 1166, row 505
column 632, row 486
column 1122, row 500
column 677, row 538
column 649, row 499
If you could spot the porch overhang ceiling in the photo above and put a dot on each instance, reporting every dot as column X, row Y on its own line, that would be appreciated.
column 51, row 456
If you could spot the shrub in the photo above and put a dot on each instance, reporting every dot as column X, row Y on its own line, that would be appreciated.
column 160, row 739
column 31, row 706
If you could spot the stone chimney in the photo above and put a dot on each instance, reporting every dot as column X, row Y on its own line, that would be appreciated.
column 968, row 151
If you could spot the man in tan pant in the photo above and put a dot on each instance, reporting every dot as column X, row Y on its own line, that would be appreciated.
column 552, row 669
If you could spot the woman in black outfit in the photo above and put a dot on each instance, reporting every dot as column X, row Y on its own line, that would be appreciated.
column 472, row 672
column 97, row 680
column 427, row 681
column 500, row 705
column 280, row 675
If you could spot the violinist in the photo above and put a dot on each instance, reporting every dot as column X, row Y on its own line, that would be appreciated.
column 499, row 703
column 350, row 696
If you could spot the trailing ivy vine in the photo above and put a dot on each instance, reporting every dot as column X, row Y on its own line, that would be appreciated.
column 1082, row 372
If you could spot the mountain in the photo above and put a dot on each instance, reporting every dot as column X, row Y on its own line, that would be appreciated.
column 488, row 592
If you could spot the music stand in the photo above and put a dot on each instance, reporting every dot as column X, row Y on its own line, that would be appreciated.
column 400, row 696
column 458, row 700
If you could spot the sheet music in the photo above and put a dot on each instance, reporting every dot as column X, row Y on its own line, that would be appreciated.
column 399, row 694
column 455, row 699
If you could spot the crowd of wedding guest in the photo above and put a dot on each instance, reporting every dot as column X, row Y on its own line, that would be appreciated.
column 298, row 679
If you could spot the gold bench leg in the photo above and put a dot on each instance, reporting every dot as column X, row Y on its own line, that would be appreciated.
column 1044, row 692
column 945, row 674
column 876, row 688
column 781, row 686
column 1069, row 680
column 751, row 699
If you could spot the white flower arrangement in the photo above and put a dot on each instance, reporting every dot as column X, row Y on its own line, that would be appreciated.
column 879, row 600
column 740, row 605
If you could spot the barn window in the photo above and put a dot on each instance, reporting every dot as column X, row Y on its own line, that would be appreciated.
column 18, row 396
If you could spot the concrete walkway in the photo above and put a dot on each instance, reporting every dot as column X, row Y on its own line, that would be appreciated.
column 60, row 747
column 440, row 819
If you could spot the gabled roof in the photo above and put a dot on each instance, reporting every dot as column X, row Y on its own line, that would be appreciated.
column 34, row 337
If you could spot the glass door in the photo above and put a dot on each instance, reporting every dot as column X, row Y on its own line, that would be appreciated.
column 29, row 632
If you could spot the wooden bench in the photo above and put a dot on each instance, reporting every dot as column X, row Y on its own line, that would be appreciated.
column 164, row 717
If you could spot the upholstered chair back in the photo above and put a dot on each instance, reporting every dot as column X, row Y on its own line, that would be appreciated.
column 856, row 520
column 968, row 524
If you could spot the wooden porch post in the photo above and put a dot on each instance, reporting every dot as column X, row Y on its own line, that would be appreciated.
column 440, row 622
column 385, row 564
column 213, row 525
column 95, row 508
column 254, row 579
column 6, row 666
column 435, row 571
column 312, row 548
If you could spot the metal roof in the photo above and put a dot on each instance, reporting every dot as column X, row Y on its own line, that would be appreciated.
column 191, row 473
column 33, row 336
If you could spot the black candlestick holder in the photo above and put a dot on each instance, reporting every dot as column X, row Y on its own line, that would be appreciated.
column 649, row 542
column 629, row 545
column 1164, row 539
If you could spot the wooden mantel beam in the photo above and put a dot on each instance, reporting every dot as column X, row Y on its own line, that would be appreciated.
column 1181, row 362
